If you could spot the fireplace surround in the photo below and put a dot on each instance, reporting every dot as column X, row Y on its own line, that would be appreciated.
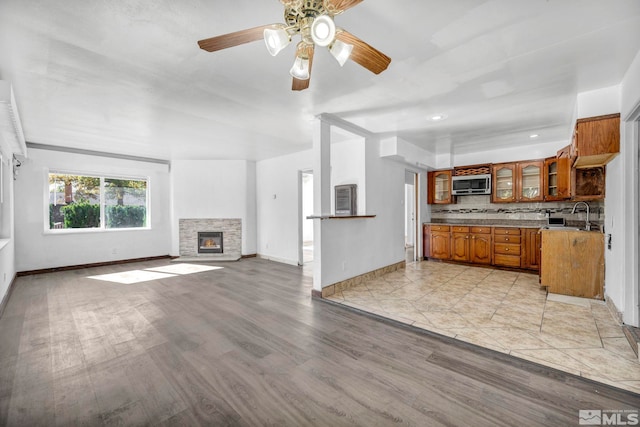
column 210, row 238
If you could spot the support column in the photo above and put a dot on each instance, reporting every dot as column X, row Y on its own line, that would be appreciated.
column 321, row 192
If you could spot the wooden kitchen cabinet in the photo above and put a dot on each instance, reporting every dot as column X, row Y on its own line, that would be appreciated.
column 439, row 242
column 557, row 179
column 507, row 247
column 439, row 187
column 531, row 248
column 596, row 140
column 480, row 246
column 503, row 181
column 573, row 263
column 517, row 182
column 460, row 242
column 588, row 183
column 529, row 181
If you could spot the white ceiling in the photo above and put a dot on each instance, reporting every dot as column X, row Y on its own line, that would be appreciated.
column 128, row 76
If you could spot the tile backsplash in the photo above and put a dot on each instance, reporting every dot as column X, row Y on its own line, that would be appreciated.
column 480, row 210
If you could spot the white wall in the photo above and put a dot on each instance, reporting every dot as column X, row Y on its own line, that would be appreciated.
column 7, row 230
column 278, row 201
column 214, row 189
column 621, row 280
column 514, row 154
column 36, row 249
column 351, row 247
column 348, row 167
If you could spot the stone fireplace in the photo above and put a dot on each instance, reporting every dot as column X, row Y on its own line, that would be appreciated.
column 211, row 238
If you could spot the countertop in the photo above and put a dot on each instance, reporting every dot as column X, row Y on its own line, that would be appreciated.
column 518, row 224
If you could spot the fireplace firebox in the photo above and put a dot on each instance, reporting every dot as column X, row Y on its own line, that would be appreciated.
column 210, row 242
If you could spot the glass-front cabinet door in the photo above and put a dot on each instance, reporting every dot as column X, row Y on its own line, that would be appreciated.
column 557, row 178
column 530, row 181
column 440, row 187
column 504, row 184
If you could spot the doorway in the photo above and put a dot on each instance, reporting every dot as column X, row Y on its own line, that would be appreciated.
column 305, row 254
column 411, row 236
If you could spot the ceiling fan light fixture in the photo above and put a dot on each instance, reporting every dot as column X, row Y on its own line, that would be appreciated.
column 341, row 51
column 300, row 69
column 323, row 30
column 276, row 39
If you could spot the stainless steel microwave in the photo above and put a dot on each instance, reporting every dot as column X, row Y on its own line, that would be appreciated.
column 471, row 185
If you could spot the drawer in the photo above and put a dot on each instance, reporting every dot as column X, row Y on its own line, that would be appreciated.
column 501, row 238
column 481, row 230
column 506, row 249
column 459, row 229
column 440, row 227
column 506, row 231
column 506, row 260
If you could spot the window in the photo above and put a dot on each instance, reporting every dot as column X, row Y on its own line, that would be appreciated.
column 92, row 202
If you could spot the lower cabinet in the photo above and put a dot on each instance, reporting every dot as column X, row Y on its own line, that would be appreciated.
column 507, row 247
column 460, row 243
column 440, row 247
column 532, row 248
column 480, row 247
column 500, row 246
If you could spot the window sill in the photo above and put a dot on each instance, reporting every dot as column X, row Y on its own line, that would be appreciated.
column 64, row 232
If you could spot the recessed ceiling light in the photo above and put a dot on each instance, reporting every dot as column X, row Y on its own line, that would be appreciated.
column 534, row 136
column 438, row 117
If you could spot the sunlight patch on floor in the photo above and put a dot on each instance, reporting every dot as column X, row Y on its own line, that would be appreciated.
column 154, row 273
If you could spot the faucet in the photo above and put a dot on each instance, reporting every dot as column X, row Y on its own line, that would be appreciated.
column 587, row 224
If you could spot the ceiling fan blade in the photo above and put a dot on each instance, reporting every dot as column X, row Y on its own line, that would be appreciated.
column 304, row 84
column 340, row 6
column 364, row 54
column 233, row 39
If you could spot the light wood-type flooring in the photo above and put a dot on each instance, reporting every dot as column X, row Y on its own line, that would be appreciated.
column 160, row 343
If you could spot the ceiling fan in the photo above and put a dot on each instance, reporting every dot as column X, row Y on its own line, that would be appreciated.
column 313, row 21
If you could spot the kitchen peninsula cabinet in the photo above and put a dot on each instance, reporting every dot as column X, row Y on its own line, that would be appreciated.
column 573, row 263
column 439, row 187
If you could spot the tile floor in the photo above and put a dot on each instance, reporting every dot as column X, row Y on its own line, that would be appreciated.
column 504, row 311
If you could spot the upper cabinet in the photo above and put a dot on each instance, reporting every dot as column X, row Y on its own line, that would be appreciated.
column 503, row 181
column 439, row 191
column 530, row 181
column 596, row 141
column 557, row 179
column 518, row 182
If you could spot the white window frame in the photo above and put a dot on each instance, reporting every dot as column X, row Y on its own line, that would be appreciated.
column 102, row 177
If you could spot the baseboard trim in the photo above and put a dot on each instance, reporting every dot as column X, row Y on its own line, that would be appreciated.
column 5, row 299
column 327, row 291
column 95, row 264
column 249, row 256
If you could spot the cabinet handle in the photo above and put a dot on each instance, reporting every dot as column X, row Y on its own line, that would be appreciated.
column 507, row 249
column 506, row 239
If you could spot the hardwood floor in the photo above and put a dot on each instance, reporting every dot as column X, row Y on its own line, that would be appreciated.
column 246, row 345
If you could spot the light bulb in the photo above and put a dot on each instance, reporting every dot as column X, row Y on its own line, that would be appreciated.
column 300, row 69
column 341, row 51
